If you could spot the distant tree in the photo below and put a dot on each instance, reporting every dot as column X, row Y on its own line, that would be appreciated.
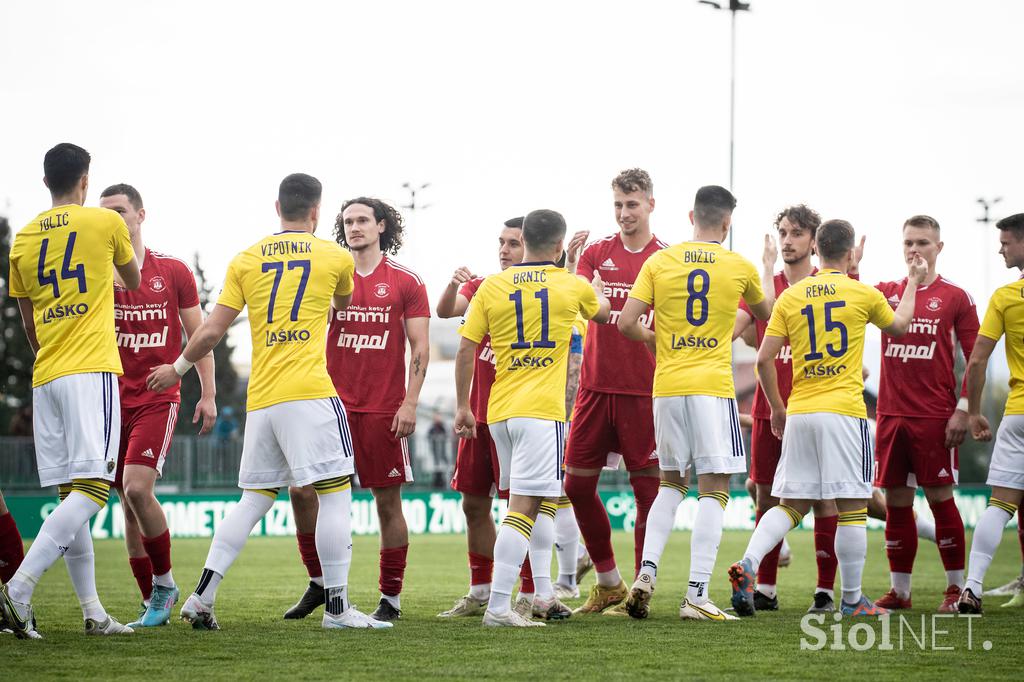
column 16, row 358
column 229, row 392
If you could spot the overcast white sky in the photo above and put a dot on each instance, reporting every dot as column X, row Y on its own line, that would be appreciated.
column 867, row 110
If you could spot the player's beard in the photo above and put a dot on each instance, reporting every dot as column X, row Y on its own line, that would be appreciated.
column 791, row 259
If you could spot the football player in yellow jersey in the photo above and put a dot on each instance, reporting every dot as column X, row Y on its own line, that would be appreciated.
column 1005, row 316
column 695, row 288
column 827, row 452
column 296, row 430
column 528, row 310
column 62, row 275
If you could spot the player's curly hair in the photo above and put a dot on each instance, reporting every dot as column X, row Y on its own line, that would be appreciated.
column 634, row 180
column 394, row 224
column 801, row 215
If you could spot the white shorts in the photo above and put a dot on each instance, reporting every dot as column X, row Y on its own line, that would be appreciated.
column 295, row 443
column 77, row 424
column 530, row 455
column 825, row 456
column 701, row 430
column 1006, row 469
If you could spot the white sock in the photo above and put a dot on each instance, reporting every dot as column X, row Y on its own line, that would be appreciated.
column 851, row 551
column 230, row 538
column 987, row 534
column 393, row 599
column 767, row 590
column 510, row 549
column 165, row 580
column 925, row 528
column 901, row 585
column 541, row 541
column 770, row 531
column 481, row 592
column 81, row 562
column 52, row 540
column 707, row 535
column 660, row 520
column 785, row 547
column 334, row 537
column 610, row 578
column 318, row 580
column 567, row 543
column 955, row 578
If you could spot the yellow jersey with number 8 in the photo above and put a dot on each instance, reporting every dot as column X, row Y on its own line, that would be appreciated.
column 63, row 261
column 1005, row 315
column 288, row 280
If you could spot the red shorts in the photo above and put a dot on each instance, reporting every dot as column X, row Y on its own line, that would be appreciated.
column 476, row 465
column 911, row 452
column 608, row 423
column 146, row 433
column 765, row 451
column 381, row 459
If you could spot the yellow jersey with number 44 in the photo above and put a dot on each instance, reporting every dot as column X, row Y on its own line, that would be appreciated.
column 288, row 280
column 824, row 317
column 1005, row 315
column 529, row 311
column 695, row 289
column 63, row 261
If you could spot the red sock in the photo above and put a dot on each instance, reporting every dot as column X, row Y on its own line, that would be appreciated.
column 307, row 550
column 12, row 550
column 900, row 538
column 592, row 519
column 768, row 571
column 526, row 577
column 645, row 489
column 159, row 550
column 949, row 534
column 481, row 568
column 1020, row 531
column 142, row 569
column 825, row 550
column 392, row 570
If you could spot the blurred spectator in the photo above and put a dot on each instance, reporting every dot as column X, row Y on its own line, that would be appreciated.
column 439, row 438
column 21, row 422
column 226, row 426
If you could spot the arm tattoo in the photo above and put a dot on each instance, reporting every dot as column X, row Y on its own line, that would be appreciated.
column 416, row 365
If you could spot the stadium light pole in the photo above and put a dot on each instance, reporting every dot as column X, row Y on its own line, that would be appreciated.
column 734, row 7
column 987, row 219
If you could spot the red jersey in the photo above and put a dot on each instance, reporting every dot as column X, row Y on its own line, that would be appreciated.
column 611, row 362
column 917, row 369
column 366, row 342
column 148, row 327
column 483, row 372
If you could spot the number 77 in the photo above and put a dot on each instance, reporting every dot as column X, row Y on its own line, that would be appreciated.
column 278, row 269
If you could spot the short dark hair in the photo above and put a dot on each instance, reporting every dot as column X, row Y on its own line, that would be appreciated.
column 64, row 166
column 543, row 228
column 394, row 224
column 134, row 198
column 516, row 222
column 922, row 221
column 298, row 195
column 1014, row 223
column 802, row 216
column 834, row 238
column 633, row 180
column 712, row 205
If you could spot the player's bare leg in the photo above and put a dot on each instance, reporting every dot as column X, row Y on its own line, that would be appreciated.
column 480, row 537
column 1002, row 505
column 305, row 509
column 510, row 549
column 394, row 548
column 151, row 533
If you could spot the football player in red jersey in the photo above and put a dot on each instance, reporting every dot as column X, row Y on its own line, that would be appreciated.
column 920, row 421
column 149, row 322
column 613, row 411
column 796, row 227
column 12, row 549
column 366, row 360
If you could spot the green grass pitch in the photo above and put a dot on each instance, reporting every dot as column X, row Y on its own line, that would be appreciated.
column 255, row 643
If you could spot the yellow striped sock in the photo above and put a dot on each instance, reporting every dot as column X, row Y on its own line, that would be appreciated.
column 858, row 517
column 564, row 502
column 332, row 485
column 97, row 491
column 63, row 490
column 1007, row 507
column 548, row 508
column 723, row 498
column 269, row 492
column 794, row 515
column 674, row 486
column 519, row 522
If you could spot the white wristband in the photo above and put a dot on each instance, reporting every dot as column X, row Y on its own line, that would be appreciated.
column 182, row 366
column 962, row 404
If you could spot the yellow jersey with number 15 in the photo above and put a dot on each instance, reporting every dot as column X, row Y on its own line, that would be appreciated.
column 1005, row 315
column 824, row 316
column 695, row 289
column 63, row 261
column 529, row 311
column 288, row 280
